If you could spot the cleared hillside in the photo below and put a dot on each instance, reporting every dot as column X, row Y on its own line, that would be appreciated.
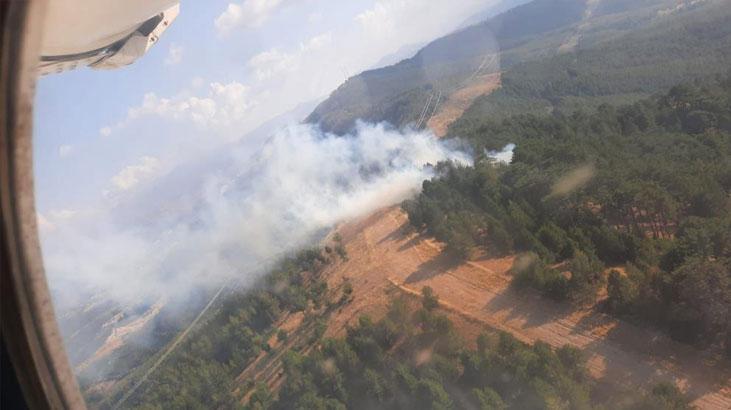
column 383, row 252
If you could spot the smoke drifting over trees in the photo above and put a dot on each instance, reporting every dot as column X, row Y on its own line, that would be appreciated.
column 204, row 222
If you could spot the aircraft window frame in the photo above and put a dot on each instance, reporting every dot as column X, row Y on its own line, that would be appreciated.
column 29, row 329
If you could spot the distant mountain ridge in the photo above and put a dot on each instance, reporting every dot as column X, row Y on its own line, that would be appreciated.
column 533, row 31
column 396, row 93
column 490, row 12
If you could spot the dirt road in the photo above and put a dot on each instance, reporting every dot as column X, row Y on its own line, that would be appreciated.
column 384, row 252
column 456, row 103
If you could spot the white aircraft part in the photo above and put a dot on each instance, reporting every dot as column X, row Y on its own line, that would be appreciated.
column 102, row 34
column 138, row 44
column 78, row 26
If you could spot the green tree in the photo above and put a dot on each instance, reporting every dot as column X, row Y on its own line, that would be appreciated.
column 586, row 277
column 431, row 395
column 701, row 297
column 429, row 299
column 489, row 399
column 622, row 293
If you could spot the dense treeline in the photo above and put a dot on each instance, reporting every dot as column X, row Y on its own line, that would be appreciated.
column 644, row 186
column 201, row 371
column 679, row 48
column 417, row 361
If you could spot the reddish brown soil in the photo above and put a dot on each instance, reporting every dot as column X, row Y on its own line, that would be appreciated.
column 385, row 254
column 460, row 100
column 386, row 258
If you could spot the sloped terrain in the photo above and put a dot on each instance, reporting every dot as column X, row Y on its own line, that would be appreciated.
column 529, row 32
column 383, row 252
column 456, row 103
column 613, row 64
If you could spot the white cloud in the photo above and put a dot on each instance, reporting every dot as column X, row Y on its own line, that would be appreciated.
column 247, row 14
column 175, row 54
column 315, row 17
column 131, row 175
column 270, row 62
column 225, row 105
column 412, row 21
column 273, row 62
column 379, row 17
column 105, row 131
column 44, row 225
column 232, row 101
column 175, row 108
column 65, row 150
column 55, row 217
column 62, row 214
column 316, row 43
column 197, row 82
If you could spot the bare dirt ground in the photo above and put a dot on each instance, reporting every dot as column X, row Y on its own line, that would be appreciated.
column 119, row 336
column 384, row 253
column 386, row 258
column 460, row 100
column 478, row 291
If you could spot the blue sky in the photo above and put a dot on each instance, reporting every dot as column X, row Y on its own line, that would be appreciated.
column 221, row 69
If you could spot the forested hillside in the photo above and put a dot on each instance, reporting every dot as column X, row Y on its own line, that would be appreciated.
column 202, row 371
column 685, row 46
column 397, row 93
column 412, row 360
column 530, row 32
column 643, row 188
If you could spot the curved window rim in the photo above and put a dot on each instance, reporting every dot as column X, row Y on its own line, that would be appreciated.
column 29, row 329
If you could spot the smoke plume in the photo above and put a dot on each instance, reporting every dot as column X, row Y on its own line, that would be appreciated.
column 201, row 222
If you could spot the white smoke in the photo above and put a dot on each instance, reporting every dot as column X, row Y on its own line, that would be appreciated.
column 504, row 156
column 205, row 221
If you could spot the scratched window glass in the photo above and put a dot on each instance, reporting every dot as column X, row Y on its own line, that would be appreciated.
column 389, row 204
